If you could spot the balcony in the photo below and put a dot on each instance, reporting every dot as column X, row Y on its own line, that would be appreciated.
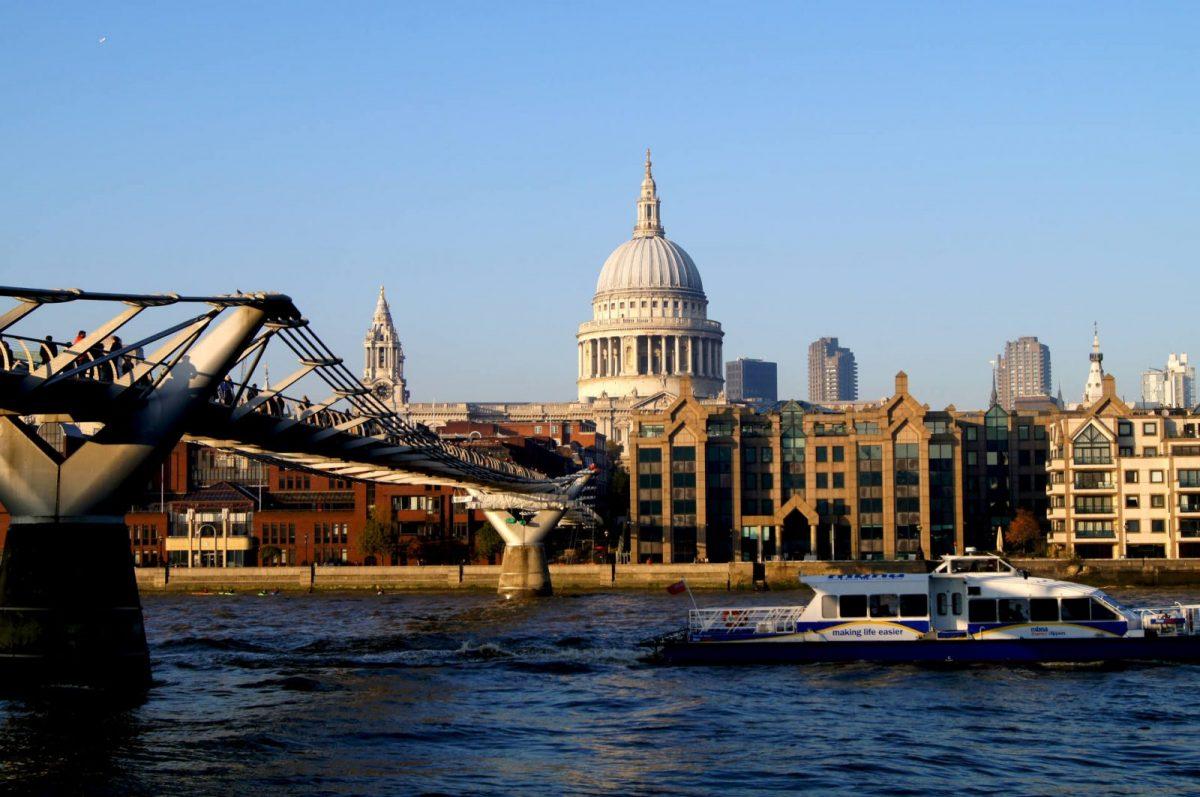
column 1095, row 486
column 1096, row 534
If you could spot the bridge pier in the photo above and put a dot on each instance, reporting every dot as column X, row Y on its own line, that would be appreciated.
column 69, row 607
column 524, row 571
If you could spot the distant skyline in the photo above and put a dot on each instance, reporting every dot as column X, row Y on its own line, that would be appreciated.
column 922, row 182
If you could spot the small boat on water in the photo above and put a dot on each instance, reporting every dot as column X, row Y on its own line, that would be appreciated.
column 970, row 609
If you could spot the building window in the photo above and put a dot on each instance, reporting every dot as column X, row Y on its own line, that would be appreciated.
column 1131, row 502
column 1133, row 526
column 1158, row 526
column 1093, row 505
column 649, row 455
column 822, row 481
column 766, row 454
column 1125, row 428
column 683, row 453
column 839, row 454
column 1150, row 451
column 1158, row 501
column 650, row 430
column 972, row 433
column 1156, row 477
column 1150, row 427
column 839, row 481
column 1131, row 477
column 1092, row 447
column 650, row 481
column 972, row 458
column 1023, row 432
column 822, row 454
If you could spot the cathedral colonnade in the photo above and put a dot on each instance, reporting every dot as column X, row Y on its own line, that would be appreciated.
column 650, row 355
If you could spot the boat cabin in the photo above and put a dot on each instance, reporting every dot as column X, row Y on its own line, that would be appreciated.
column 965, row 597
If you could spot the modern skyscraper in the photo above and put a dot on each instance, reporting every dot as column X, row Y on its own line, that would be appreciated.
column 1094, row 389
column 1173, row 386
column 752, row 381
column 1023, row 371
column 832, row 372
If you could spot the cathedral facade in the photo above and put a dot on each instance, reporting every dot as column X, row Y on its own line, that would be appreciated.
column 649, row 341
column 650, row 325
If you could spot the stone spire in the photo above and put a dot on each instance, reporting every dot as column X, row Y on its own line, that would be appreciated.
column 383, row 369
column 649, row 224
column 994, row 398
column 1095, row 381
column 383, row 313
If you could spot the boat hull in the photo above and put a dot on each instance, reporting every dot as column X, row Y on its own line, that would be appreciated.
column 967, row 651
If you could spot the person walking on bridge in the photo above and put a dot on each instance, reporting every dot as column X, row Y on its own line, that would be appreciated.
column 48, row 350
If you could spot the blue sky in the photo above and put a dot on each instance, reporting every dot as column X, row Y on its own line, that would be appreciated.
column 923, row 181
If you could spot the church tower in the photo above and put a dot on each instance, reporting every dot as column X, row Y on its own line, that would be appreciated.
column 1094, row 389
column 383, row 372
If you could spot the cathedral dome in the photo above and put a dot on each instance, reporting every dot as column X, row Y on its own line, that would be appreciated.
column 649, row 262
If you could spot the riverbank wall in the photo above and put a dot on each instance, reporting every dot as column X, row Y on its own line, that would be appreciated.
column 587, row 578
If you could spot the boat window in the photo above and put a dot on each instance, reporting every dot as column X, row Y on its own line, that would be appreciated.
column 885, row 605
column 980, row 565
column 941, row 603
column 1043, row 610
column 829, row 607
column 1014, row 610
column 1102, row 612
column 1075, row 609
column 974, row 590
column 982, row 610
column 914, row 605
column 956, row 603
column 853, row 605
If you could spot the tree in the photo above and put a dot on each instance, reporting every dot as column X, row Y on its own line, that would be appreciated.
column 269, row 554
column 1024, row 532
column 487, row 541
column 379, row 538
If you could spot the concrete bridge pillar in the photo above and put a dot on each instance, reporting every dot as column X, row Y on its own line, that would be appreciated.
column 524, row 570
column 69, row 607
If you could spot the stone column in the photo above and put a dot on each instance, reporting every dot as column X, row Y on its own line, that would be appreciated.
column 678, row 365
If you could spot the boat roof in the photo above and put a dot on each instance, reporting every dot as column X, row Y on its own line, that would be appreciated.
column 995, row 577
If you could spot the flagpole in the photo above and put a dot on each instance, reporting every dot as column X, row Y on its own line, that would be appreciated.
column 690, row 595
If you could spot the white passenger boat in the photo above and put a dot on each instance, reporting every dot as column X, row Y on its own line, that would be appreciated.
column 975, row 608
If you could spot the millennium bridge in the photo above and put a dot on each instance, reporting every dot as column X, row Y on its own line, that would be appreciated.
column 69, row 605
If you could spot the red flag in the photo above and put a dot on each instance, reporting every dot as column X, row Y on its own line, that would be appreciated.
column 677, row 587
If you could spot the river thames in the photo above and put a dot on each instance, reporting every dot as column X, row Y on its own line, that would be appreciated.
column 467, row 694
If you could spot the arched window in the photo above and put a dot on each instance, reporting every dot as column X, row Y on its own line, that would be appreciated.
column 1092, row 447
column 381, row 358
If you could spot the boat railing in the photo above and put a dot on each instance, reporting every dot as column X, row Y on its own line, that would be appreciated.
column 759, row 620
column 1176, row 620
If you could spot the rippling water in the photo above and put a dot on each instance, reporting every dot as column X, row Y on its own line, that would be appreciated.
column 465, row 693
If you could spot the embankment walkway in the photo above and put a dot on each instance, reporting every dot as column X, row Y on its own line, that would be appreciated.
column 591, row 578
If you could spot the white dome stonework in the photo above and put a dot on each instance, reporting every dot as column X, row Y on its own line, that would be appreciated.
column 654, row 262
column 650, row 327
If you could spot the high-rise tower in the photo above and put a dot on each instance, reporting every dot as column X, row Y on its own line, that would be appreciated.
column 383, row 371
column 1023, row 371
column 832, row 372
